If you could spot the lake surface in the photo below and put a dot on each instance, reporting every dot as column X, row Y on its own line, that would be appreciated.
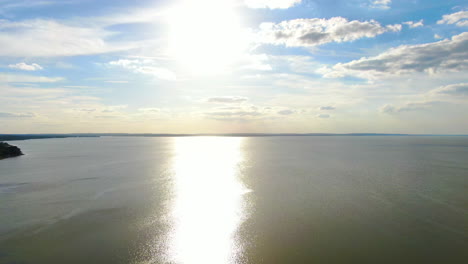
column 320, row 199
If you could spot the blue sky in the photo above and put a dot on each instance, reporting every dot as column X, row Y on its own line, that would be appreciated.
column 224, row 66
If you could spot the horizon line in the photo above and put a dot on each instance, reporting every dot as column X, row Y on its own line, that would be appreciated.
column 223, row 134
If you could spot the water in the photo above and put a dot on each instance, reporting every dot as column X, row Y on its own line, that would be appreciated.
column 236, row 200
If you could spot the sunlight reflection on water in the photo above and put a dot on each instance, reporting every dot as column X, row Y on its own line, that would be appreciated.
column 207, row 205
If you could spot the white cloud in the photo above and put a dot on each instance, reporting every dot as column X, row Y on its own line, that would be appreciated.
column 236, row 114
column 414, row 24
column 43, row 38
column 16, row 115
column 115, row 81
column 12, row 78
column 322, row 108
column 246, row 112
column 145, row 66
column 114, row 108
column 388, row 109
column 437, row 36
column 256, row 62
column 394, row 28
column 29, row 93
column 296, row 64
column 79, row 86
column 411, row 106
column 459, row 89
column 226, row 99
column 444, row 55
column 87, row 110
column 272, row 4
column 323, row 116
column 316, row 31
column 26, row 67
column 149, row 110
column 160, row 73
column 459, row 18
column 107, row 116
column 286, row 112
column 380, row 4
column 21, row 4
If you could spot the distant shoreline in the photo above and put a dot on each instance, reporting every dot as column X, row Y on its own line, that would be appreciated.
column 13, row 137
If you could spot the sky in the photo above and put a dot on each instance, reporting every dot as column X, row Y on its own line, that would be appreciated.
column 234, row 66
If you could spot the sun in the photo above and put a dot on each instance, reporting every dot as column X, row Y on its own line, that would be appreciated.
column 205, row 36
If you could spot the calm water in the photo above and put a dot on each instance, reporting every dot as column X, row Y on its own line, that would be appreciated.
column 236, row 200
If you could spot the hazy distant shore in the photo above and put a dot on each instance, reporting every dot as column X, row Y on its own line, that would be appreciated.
column 12, row 137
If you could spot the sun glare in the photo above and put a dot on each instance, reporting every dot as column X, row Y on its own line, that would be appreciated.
column 205, row 36
column 208, row 200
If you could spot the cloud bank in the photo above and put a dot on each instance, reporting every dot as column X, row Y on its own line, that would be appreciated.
column 446, row 55
column 318, row 31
